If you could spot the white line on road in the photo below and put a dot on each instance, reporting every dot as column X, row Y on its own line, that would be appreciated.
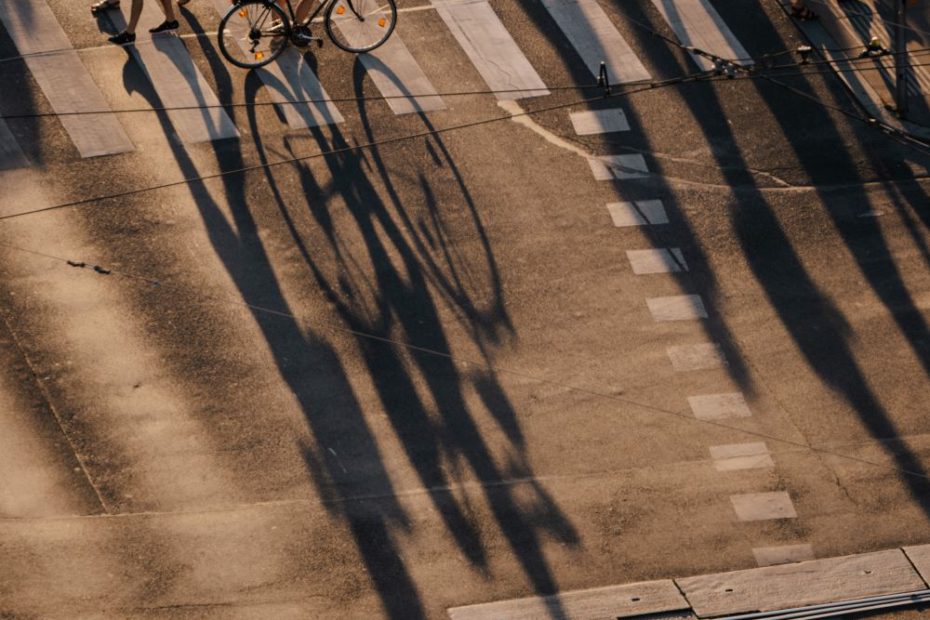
column 591, row 122
column 177, row 81
column 491, row 49
column 660, row 260
column 697, row 24
column 611, row 167
column 719, row 406
column 763, row 506
column 63, row 78
column 677, row 308
column 702, row 356
column 638, row 213
column 739, row 456
column 595, row 38
column 397, row 74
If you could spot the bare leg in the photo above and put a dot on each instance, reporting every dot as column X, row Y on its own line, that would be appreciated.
column 168, row 7
column 303, row 9
column 134, row 13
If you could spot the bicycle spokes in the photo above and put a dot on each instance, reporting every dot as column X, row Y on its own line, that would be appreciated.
column 361, row 25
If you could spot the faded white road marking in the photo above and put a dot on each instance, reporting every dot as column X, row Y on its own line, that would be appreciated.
column 661, row 260
column 177, row 80
column 738, row 456
column 785, row 554
column 596, row 40
column 63, row 78
column 719, row 406
column 696, row 357
column 677, row 308
column 491, row 49
column 763, row 506
column 638, row 213
column 611, row 167
column 395, row 72
column 697, row 24
column 591, row 122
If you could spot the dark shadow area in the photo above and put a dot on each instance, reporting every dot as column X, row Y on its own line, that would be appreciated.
column 818, row 329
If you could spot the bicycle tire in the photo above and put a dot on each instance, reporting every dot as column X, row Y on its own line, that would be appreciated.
column 242, row 48
column 355, row 42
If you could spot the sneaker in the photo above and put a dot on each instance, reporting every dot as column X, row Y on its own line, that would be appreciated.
column 122, row 38
column 165, row 26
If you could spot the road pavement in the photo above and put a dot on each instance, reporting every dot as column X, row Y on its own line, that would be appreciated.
column 403, row 361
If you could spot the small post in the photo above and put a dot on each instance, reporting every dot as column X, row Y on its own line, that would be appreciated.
column 899, row 45
column 602, row 80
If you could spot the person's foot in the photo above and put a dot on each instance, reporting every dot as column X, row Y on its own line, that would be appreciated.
column 123, row 38
column 103, row 5
column 165, row 26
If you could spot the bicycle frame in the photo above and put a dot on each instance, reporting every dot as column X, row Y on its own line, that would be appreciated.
column 322, row 5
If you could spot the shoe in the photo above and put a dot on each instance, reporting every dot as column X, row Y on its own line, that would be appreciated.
column 103, row 5
column 123, row 38
column 803, row 13
column 165, row 26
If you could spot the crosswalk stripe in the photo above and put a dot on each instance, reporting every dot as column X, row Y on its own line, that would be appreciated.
column 177, row 81
column 288, row 80
column 11, row 156
column 595, row 38
column 63, row 78
column 395, row 72
column 696, row 23
column 491, row 49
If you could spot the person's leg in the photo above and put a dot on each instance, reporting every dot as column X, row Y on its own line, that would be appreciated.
column 170, row 23
column 303, row 9
column 134, row 13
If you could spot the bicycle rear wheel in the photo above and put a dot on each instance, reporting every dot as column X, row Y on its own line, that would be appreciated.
column 360, row 25
column 253, row 33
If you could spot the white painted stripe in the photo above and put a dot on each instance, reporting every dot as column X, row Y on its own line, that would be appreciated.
column 63, row 78
column 595, row 38
column 395, row 72
column 612, row 167
column 763, row 506
column 785, row 554
column 288, row 80
column 591, row 122
column 697, row 24
column 719, row 406
column 176, row 80
column 638, row 213
column 797, row 585
column 11, row 156
column 677, row 308
column 696, row 357
column 632, row 599
column 662, row 260
column 491, row 49
column 740, row 456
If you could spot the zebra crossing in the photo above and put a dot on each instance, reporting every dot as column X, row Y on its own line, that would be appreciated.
column 197, row 116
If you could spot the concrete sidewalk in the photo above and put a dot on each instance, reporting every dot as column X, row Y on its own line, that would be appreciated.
column 902, row 571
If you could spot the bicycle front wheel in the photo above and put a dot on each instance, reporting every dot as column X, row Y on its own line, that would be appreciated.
column 253, row 33
column 360, row 25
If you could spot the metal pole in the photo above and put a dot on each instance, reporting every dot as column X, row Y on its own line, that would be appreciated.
column 900, row 56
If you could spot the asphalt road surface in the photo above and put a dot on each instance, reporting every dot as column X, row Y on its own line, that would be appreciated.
column 412, row 361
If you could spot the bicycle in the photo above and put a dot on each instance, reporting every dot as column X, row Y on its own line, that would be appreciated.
column 255, row 32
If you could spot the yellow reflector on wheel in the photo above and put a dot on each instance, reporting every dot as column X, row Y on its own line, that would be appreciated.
column 259, row 55
column 244, row 13
column 340, row 10
column 381, row 22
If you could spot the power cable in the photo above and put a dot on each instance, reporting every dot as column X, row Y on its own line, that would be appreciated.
column 459, row 360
